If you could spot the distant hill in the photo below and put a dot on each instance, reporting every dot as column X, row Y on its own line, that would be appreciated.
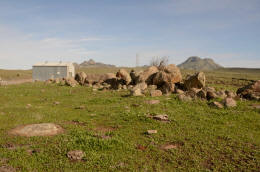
column 91, row 63
column 197, row 63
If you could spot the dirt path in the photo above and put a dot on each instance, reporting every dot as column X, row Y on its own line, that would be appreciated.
column 15, row 82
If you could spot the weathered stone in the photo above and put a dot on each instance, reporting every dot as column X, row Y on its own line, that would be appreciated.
column 167, row 88
column 151, row 132
column 142, row 86
column 211, row 95
column 152, row 87
column 216, row 105
column 152, row 102
column 134, row 77
column 81, row 77
column 124, row 75
column 179, row 91
column 230, row 94
column 251, row 91
column 147, row 75
column 162, row 117
column 230, row 102
column 221, row 94
column 71, row 82
column 195, row 81
column 155, row 93
column 76, row 155
column 136, row 92
column 184, row 97
column 44, row 129
column 202, row 94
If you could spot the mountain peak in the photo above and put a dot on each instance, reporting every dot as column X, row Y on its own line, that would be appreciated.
column 197, row 63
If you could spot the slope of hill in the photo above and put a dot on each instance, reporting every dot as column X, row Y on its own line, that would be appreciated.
column 197, row 63
column 92, row 64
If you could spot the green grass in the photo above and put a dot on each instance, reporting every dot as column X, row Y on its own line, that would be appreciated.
column 208, row 138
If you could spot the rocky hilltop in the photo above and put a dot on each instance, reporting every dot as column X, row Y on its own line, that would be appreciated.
column 198, row 64
column 92, row 63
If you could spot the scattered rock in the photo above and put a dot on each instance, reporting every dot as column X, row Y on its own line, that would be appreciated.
column 162, row 117
column 136, row 92
column 221, row 94
column 147, row 75
column 142, row 86
column 202, row 94
column 140, row 147
column 152, row 87
column 81, row 77
column 195, row 81
column 152, row 102
column 71, row 82
column 251, row 91
column 230, row 102
column 155, row 93
column 56, row 103
column 75, row 155
column 211, row 95
column 183, row 97
column 169, row 146
column 28, row 106
column 257, row 106
column 179, row 91
column 44, row 129
column 230, row 94
column 151, row 131
column 124, row 75
column 216, row 105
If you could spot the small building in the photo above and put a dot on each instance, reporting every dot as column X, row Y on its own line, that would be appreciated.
column 52, row 70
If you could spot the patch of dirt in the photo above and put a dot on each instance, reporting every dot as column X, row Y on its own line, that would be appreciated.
column 173, row 145
column 43, row 129
column 152, row 102
column 141, row 147
column 7, row 168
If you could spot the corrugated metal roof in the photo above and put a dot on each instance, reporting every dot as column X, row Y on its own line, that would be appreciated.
column 53, row 64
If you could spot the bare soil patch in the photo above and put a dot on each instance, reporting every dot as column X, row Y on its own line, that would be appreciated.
column 44, row 129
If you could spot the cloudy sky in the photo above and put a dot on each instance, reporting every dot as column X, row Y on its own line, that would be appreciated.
column 113, row 31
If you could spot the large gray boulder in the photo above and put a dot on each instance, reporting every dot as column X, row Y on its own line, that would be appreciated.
column 80, row 77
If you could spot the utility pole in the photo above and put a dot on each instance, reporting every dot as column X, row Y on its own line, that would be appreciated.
column 137, row 59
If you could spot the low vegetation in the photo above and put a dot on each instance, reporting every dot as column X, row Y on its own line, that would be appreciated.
column 110, row 131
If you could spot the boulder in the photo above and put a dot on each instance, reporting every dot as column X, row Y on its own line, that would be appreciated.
column 124, row 75
column 76, row 155
column 167, row 88
column 216, row 105
column 251, row 91
column 155, row 93
column 147, row 75
column 202, row 94
column 221, row 94
column 230, row 102
column 71, row 82
column 195, row 81
column 136, row 92
column 142, row 86
column 170, row 74
column 80, row 77
column 230, row 94
column 134, row 77
column 211, row 95
column 183, row 97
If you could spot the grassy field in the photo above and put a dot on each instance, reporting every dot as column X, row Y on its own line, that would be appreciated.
column 111, row 130
column 206, row 139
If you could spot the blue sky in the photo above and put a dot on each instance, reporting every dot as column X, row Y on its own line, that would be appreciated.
column 114, row 31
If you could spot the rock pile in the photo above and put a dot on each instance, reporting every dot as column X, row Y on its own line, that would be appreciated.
column 251, row 91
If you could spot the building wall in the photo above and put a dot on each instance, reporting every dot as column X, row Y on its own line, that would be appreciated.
column 43, row 73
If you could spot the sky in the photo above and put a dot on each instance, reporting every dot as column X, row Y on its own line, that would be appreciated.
column 114, row 31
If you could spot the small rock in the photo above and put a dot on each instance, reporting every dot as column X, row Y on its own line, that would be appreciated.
column 179, row 91
column 169, row 146
column 183, row 97
column 257, row 106
column 202, row 94
column 216, row 105
column 230, row 102
column 75, row 155
column 56, row 103
column 136, row 92
column 211, row 95
column 151, row 131
column 28, row 106
column 80, row 107
column 152, row 102
column 162, row 117
column 156, row 93
column 230, row 94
